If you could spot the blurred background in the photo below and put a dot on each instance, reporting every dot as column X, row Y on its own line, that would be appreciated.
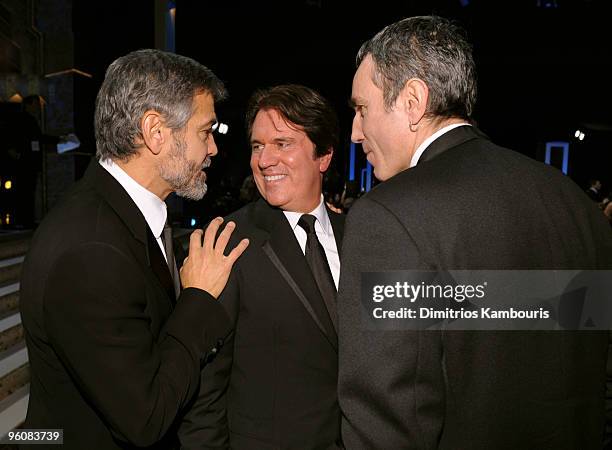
column 543, row 69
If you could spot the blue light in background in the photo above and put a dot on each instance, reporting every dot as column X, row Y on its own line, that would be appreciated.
column 366, row 178
column 562, row 145
column 352, row 163
column 170, row 26
column 193, row 222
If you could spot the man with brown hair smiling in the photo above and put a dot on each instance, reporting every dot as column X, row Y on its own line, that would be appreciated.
column 273, row 385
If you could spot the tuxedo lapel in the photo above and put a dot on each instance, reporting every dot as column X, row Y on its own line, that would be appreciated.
column 449, row 140
column 285, row 253
column 119, row 200
column 160, row 267
column 269, row 251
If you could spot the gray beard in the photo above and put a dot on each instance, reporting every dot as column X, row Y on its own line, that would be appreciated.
column 184, row 177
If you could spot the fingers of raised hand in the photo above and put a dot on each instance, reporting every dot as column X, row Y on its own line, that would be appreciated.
column 237, row 251
column 195, row 242
column 211, row 233
column 224, row 238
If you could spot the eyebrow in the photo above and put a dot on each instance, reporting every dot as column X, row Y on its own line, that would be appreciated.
column 209, row 123
column 277, row 140
column 355, row 103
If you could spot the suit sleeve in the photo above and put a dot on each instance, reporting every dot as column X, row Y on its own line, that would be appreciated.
column 97, row 319
column 383, row 373
column 205, row 425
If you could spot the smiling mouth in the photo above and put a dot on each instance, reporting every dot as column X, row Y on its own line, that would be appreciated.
column 270, row 178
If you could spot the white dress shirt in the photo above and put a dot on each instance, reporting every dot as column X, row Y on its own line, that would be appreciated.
column 150, row 205
column 430, row 139
column 325, row 234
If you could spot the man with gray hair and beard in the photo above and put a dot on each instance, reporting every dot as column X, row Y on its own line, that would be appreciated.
column 438, row 208
column 115, row 346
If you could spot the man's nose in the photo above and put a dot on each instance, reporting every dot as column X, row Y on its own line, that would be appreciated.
column 357, row 131
column 212, row 146
column 268, row 157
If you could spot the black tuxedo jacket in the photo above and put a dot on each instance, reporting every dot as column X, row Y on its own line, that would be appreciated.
column 275, row 386
column 113, row 359
column 470, row 204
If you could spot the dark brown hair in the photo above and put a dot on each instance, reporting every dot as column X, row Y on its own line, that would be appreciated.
column 300, row 106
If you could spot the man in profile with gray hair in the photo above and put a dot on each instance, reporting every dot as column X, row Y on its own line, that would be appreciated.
column 438, row 208
column 115, row 346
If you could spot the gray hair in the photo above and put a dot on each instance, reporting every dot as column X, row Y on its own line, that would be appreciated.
column 147, row 80
column 431, row 49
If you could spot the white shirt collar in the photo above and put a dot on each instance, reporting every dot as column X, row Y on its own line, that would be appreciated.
column 150, row 205
column 319, row 212
column 430, row 139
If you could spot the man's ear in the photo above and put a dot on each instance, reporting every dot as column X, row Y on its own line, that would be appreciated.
column 413, row 99
column 325, row 161
column 153, row 131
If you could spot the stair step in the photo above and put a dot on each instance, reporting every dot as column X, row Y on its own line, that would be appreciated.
column 9, row 303
column 14, row 367
column 11, row 261
column 9, row 288
column 11, row 336
column 14, row 380
column 13, row 409
column 10, row 272
column 14, row 244
column 14, row 357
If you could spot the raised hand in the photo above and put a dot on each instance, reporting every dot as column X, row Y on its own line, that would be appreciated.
column 207, row 267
